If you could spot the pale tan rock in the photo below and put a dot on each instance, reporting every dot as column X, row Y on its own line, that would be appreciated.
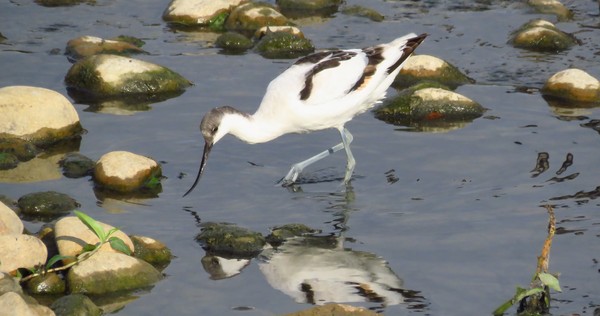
column 124, row 171
column 13, row 304
column 573, row 84
column 197, row 11
column 21, row 251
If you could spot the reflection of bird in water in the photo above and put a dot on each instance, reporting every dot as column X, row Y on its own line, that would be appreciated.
column 318, row 275
column 223, row 268
column 320, row 91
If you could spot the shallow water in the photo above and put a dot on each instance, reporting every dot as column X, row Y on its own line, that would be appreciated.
column 458, row 216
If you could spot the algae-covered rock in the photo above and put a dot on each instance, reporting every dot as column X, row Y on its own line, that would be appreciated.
column 108, row 76
column 75, row 165
column 278, row 45
column 551, row 7
column 199, row 12
column 151, row 251
column 75, row 304
column 8, row 161
column 228, row 240
column 47, row 205
column 261, row 32
column 40, row 116
column 20, row 149
column 251, row 16
column 85, row 46
column 364, row 12
column 303, row 8
column 109, row 272
column 573, row 85
column 280, row 233
column 233, row 42
column 542, row 36
column 123, row 171
column 47, row 284
column 420, row 68
column 426, row 104
column 62, row 3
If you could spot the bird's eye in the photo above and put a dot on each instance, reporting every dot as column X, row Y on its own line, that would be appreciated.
column 215, row 129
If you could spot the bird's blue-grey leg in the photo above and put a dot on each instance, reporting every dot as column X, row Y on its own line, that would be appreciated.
column 297, row 168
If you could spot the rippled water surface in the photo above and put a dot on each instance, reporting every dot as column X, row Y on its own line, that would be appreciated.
column 457, row 215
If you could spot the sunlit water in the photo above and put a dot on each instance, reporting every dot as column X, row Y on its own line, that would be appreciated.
column 458, row 216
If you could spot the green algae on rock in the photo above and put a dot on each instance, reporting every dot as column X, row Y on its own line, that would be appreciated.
column 280, row 45
column 229, row 240
column 46, row 205
column 251, row 16
column 542, row 36
column 107, row 76
column 420, row 68
column 364, row 12
column 233, row 43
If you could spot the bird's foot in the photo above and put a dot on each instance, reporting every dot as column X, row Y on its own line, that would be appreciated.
column 291, row 176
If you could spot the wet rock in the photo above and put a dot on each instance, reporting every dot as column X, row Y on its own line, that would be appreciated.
column 230, row 241
column 542, row 36
column 62, row 3
column 109, row 272
column 8, row 161
column 251, row 16
column 85, row 46
column 261, row 32
column 41, row 168
column 424, row 104
column 2, row 37
column 9, row 221
column 9, row 284
column 551, row 7
column 360, row 11
column 75, row 165
column 199, row 12
column 419, row 68
column 47, row 284
column 232, row 42
column 21, row 251
column 108, row 76
column 123, row 171
column 573, row 85
column 75, row 304
column 334, row 309
column 20, row 149
column 72, row 235
column 37, row 115
column 222, row 268
column 302, row 8
column 151, row 251
column 279, row 45
column 18, row 305
column 280, row 233
column 47, row 205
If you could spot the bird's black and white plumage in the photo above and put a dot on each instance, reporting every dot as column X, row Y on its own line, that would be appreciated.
column 322, row 90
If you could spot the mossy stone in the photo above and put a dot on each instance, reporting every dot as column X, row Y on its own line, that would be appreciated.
column 233, row 42
column 75, row 304
column 46, row 205
column 228, row 240
column 360, row 11
column 283, row 45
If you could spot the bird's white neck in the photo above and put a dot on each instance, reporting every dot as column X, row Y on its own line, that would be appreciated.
column 250, row 128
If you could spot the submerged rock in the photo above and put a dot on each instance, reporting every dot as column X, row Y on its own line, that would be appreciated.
column 75, row 165
column 552, row 7
column 37, row 115
column 123, row 171
column 8, row 161
column 232, row 42
column 573, row 85
column 199, row 12
column 46, row 205
column 426, row 104
column 109, row 272
column 85, row 46
column 251, row 16
column 75, row 304
column 230, row 241
column 108, row 76
column 72, row 235
column 279, row 234
column 360, row 11
column 543, row 36
column 334, row 309
column 277, row 45
column 419, row 68
column 21, row 251
column 20, row 149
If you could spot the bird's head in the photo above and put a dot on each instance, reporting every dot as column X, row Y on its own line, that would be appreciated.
column 213, row 127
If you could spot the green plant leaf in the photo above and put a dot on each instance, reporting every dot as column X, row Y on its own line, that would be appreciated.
column 550, row 281
column 55, row 259
column 528, row 293
column 111, row 231
column 92, row 224
column 89, row 247
column 119, row 245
